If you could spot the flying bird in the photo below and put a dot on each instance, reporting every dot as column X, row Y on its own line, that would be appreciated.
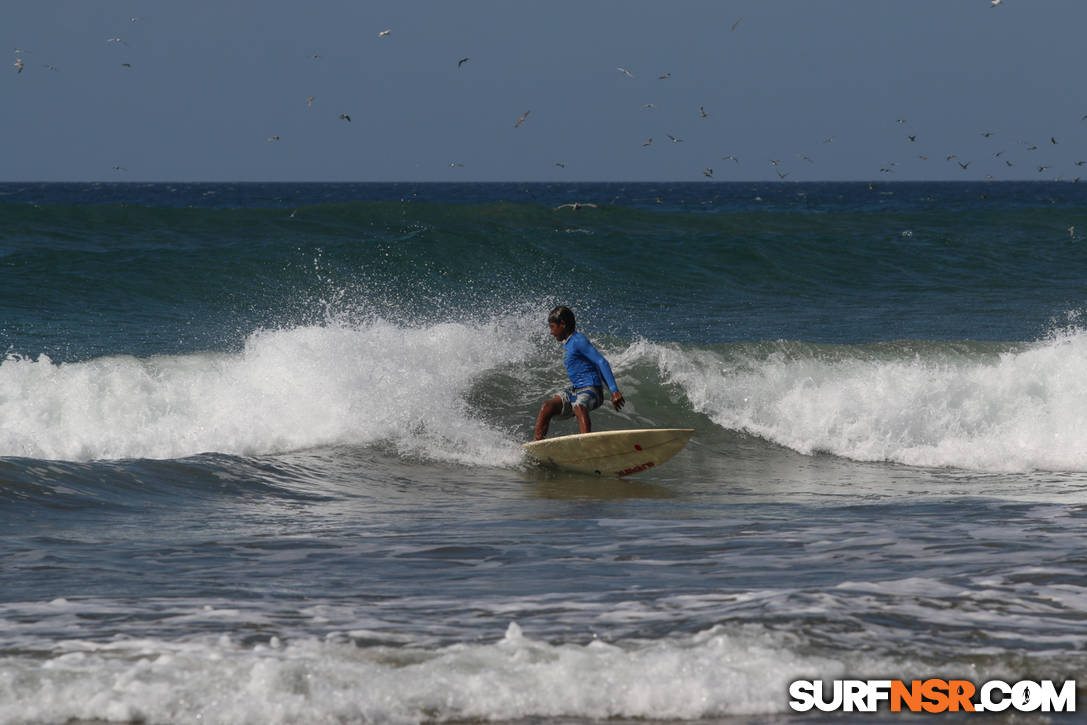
column 522, row 118
column 702, row 112
column 736, row 23
column 731, row 157
column 707, row 172
column 663, row 77
column 383, row 33
column 18, row 65
column 273, row 138
column 994, row 3
column 345, row 117
column 576, row 205
column 625, row 71
column 647, row 142
column 462, row 61
column 674, row 139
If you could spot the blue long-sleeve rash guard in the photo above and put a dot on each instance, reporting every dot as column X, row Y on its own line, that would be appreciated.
column 585, row 365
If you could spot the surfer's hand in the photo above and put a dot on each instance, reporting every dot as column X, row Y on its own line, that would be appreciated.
column 617, row 400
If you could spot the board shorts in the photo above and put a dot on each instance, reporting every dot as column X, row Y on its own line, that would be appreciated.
column 588, row 398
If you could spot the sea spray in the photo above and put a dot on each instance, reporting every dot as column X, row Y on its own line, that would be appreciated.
column 287, row 389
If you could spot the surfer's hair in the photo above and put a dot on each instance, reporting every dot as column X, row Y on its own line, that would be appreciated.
column 563, row 314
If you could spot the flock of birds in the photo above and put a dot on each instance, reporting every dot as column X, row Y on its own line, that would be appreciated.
column 999, row 158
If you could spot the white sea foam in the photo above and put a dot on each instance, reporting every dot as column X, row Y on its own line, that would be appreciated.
column 287, row 389
column 1019, row 411
column 713, row 673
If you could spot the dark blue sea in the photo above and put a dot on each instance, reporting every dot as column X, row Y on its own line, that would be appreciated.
column 260, row 449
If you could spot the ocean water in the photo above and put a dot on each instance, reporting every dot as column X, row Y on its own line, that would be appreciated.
column 259, row 449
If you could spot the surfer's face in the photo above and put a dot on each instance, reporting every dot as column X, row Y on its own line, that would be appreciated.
column 558, row 330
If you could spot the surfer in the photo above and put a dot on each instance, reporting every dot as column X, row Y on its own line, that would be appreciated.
column 588, row 371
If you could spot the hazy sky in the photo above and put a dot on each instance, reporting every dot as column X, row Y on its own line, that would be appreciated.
column 828, row 89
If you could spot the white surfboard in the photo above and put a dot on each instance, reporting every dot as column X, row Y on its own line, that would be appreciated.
column 611, row 452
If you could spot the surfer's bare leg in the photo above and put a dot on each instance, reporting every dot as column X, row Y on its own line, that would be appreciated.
column 582, row 415
column 547, row 411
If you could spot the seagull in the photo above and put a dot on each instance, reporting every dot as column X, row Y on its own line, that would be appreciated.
column 702, row 112
column 116, row 40
column 1052, row 140
column 648, row 141
column 986, row 134
column 273, row 138
column 663, row 77
column 576, row 205
column 649, row 106
column 522, row 119
column 674, row 139
column 731, row 157
column 912, row 138
column 994, row 3
column 828, row 139
column 782, row 174
column 345, row 117
column 18, row 65
column 625, row 71
column 736, row 23
column 462, row 61
column 383, row 33
column 707, row 172
column 965, row 165
column 560, row 164
column 455, row 164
